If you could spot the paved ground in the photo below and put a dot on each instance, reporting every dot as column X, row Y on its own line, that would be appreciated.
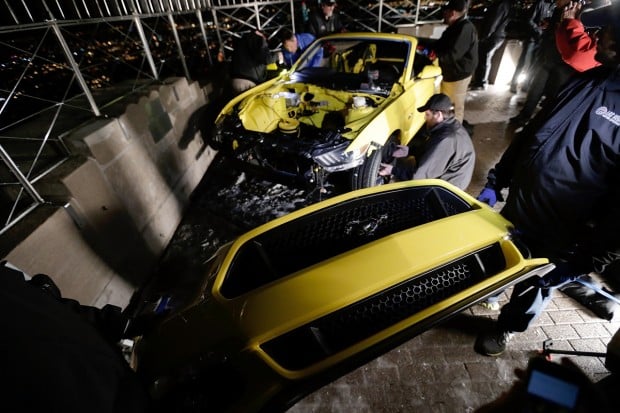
column 439, row 371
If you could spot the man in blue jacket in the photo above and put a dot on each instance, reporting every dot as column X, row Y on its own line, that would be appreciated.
column 294, row 44
column 563, row 175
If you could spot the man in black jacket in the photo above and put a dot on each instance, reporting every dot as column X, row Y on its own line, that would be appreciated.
column 442, row 150
column 251, row 55
column 564, row 185
column 457, row 50
column 324, row 21
column 60, row 356
column 491, row 36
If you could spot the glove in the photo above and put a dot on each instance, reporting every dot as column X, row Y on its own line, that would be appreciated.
column 489, row 196
column 425, row 51
column 385, row 169
column 400, row 151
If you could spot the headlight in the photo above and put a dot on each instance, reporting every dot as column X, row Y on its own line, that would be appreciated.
column 338, row 158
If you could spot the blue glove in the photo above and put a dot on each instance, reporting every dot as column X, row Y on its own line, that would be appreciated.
column 489, row 196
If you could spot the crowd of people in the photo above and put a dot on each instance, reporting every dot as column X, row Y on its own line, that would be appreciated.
column 561, row 169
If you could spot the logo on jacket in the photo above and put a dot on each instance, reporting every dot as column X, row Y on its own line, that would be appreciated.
column 613, row 117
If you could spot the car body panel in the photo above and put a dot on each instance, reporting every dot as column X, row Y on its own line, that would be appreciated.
column 331, row 299
column 308, row 110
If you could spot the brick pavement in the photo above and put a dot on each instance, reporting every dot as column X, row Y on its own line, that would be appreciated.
column 439, row 371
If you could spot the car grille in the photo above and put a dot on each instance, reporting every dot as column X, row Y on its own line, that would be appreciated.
column 316, row 237
column 313, row 342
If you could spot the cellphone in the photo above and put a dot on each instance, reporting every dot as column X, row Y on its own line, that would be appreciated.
column 551, row 387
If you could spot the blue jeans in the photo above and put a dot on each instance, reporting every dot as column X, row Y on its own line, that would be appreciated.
column 529, row 299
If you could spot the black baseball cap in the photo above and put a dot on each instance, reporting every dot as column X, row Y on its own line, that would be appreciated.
column 438, row 101
column 458, row 5
column 328, row 1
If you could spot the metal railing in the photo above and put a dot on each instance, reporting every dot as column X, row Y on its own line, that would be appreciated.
column 67, row 61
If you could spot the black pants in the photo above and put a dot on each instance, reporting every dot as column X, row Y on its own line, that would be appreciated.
column 547, row 81
column 525, row 63
column 486, row 51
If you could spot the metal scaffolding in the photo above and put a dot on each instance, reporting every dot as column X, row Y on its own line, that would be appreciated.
column 67, row 61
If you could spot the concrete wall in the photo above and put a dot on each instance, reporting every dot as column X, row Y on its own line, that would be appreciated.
column 116, row 203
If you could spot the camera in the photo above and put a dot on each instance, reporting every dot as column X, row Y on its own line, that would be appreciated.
column 552, row 387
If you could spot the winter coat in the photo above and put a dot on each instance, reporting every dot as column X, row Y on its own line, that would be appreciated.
column 250, row 58
column 319, row 26
column 303, row 41
column 541, row 10
column 493, row 28
column 448, row 154
column 457, row 50
column 563, row 173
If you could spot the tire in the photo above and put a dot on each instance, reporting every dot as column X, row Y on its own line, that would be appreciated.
column 367, row 174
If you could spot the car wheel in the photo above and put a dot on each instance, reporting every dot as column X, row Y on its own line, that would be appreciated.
column 367, row 174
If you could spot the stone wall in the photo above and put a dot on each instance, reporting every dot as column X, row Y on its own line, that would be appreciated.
column 116, row 202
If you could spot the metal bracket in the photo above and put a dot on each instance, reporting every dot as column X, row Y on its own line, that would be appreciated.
column 547, row 350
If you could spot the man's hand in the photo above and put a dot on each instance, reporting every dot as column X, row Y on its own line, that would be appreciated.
column 489, row 196
column 400, row 151
column 385, row 169
column 425, row 51
column 572, row 10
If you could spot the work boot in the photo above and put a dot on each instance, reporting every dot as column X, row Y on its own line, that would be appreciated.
column 493, row 343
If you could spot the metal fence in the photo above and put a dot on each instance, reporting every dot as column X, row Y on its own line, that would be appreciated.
column 63, row 62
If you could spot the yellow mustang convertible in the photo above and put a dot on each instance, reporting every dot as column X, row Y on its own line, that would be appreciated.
column 346, row 99
column 295, row 303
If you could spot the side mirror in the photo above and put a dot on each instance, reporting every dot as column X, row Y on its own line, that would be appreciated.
column 429, row 71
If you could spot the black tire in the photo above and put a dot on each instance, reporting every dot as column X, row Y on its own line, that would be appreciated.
column 367, row 174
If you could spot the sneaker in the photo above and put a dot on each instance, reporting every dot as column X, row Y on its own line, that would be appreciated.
column 490, row 305
column 493, row 343
column 477, row 87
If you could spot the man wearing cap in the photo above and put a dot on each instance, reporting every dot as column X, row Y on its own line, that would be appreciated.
column 562, row 172
column 324, row 21
column 457, row 50
column 442, row 150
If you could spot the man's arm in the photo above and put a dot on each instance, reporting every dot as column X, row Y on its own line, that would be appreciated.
column 575, row 45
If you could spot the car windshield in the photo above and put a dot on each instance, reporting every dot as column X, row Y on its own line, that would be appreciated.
column 354, row 63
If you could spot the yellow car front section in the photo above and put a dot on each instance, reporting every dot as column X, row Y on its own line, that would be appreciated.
column 328, row 286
